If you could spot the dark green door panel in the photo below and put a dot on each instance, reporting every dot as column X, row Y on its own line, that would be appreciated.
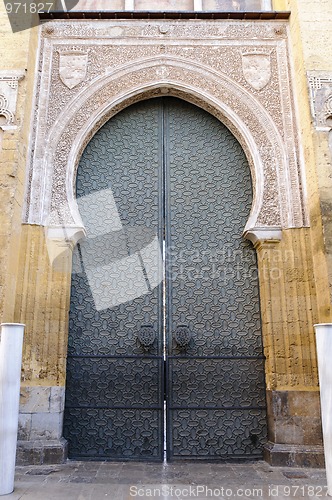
column 216, row 394
column 114, row 396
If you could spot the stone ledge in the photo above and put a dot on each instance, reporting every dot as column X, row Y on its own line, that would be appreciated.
column 41, row 452
column 290, row 455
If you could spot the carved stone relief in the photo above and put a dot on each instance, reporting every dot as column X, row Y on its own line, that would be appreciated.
column 237, row 71
column 8, row 97
column 320, row 87
column 73, row 66
column 256, row 67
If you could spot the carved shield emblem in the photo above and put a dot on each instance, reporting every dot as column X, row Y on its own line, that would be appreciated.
column 72, row 67
column 256, row 69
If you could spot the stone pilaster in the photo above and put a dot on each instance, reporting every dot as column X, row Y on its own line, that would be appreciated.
column 289, row 310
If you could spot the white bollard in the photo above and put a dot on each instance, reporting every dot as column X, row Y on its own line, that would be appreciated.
column 324, row 354
column 10, row 377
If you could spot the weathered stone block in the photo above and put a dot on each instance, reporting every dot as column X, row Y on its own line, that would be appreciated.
column 35, row 399
column 55, row 452
column 57, row 399
column 41, row 452
column 29, row 453
column 289, row 431
column 304, row 403
column 294, row 429
column 280, row 455
column 46, row 426
column 24, row 426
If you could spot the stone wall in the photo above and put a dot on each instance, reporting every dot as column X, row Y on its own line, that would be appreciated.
column 311, row 38
column 310, row 41
column 17, row 73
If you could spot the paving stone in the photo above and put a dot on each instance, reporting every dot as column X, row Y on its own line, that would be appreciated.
column 108, row 480
column 297, row 474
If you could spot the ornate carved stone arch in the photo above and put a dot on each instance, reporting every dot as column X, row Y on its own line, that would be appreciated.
column 244, row 82
column 276, row 204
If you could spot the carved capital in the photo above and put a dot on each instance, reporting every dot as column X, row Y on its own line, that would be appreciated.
column 60, row 242
column 263, row 235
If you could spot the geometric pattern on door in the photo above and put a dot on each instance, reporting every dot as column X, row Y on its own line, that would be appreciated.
column 172, row 180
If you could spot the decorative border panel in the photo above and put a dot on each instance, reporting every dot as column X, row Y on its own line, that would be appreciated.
column 320, row 89
column 8, row 96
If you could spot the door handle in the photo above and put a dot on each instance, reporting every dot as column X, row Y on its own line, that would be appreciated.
column 146, row 337
column 182, row 337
